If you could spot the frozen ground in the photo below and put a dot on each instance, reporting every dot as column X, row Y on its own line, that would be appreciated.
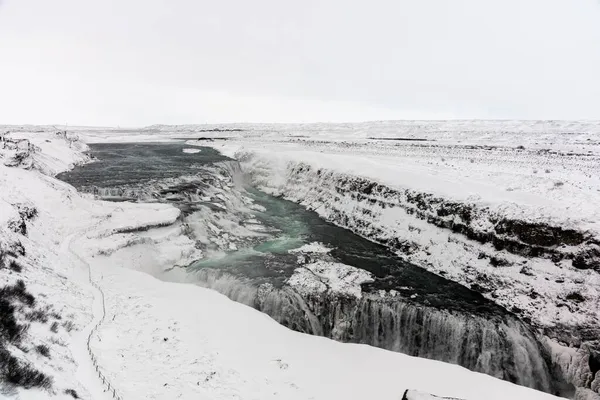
column 165, row 340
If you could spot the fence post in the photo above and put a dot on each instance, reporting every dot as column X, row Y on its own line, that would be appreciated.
column 93, row 331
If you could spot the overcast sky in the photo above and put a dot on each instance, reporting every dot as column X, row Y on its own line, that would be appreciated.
column 140, row 62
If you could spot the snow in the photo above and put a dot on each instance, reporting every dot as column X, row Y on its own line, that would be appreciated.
column 314, row 247
column 416, row 395
column 169, row 340
column 191, row 151
column 321, row 276
column 220, row 349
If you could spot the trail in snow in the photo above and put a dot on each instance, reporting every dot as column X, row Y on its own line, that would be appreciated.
column 87, row 372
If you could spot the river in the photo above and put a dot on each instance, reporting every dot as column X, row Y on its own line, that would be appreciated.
column 251, row 240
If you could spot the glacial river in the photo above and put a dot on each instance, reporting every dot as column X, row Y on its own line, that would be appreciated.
column 430, row 317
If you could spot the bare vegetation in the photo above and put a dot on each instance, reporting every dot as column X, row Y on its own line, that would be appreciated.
column 15, row 372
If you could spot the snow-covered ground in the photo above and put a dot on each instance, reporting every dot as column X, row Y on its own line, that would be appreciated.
column 507, row 208
column 166, row 340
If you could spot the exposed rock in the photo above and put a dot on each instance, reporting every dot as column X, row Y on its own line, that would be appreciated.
column 575, row 297
column 588, row 259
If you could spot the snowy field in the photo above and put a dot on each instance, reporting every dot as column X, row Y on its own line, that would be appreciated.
column 167, row 340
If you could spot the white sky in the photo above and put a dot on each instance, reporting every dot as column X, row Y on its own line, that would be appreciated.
column 139, row 62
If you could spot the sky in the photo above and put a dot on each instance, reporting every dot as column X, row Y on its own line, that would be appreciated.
column 142, row 62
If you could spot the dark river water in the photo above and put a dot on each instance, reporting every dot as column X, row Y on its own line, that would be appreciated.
column 431, row 317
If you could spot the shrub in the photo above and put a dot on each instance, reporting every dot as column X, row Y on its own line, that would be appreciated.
column 37, row 316
column 8, row 256
column 10, row 329
column 18, row 292
column 72, row 392
column 27, row 212
column 18, row 373
column 15, row 266
column 55, row 315
column 54, row 327
column 14, row 372
column 43, row 350
column 68, row 325
column 58, row 341
column 18, row 247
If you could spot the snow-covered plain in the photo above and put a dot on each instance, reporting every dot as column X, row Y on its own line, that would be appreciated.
column 166, row 340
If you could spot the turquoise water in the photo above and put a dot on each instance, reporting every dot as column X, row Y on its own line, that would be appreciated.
column 269, row 260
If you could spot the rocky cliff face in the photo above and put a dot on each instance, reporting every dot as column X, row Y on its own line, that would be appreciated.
column 545, row 273
column 500, row 345
column 62, row 150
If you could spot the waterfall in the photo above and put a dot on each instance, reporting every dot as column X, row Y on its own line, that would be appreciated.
column 500, row 346
column 214, row 212
column 202, row 185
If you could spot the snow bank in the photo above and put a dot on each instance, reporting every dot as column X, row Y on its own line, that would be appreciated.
column 167, row 340
column 191, row 151
column 312, row 248
column 50, row 151
column 319, row 277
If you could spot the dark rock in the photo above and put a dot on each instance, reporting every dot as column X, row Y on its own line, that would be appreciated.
column 499, row 262
column 526, row 270
column 594, row 361
column 588, row 259
column 575, row 297
column 481, row 289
